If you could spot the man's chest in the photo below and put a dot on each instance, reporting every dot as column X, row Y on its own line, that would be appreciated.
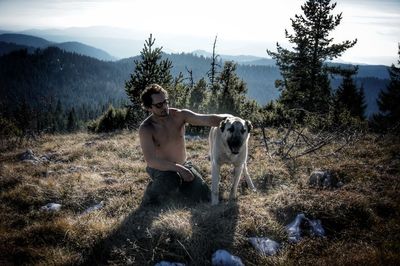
column 168, row 135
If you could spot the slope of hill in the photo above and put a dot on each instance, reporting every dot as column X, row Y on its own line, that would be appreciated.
column 53, row 74
column 6, row 47
column 84, row 49
column 36, row 42
column 374, row 71
column 240, row 59
column 26, row 40
column 121, row 43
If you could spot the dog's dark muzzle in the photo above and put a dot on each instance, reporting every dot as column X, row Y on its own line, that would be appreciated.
column 235, row 143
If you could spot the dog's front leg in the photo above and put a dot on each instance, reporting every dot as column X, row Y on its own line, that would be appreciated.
column 237, row 172
column 215, row 169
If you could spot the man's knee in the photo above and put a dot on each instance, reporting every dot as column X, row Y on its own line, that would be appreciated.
column 161, row 185
column 196, row 190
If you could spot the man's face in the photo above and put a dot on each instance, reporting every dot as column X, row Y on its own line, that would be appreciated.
column 159, row 105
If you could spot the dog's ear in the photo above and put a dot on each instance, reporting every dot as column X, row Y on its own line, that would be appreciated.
column 222, row 124
column 249, row 125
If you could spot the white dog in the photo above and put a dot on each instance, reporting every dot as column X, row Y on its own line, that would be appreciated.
column 229, row 145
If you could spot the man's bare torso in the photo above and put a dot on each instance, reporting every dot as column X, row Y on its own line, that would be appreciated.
column 168, row 137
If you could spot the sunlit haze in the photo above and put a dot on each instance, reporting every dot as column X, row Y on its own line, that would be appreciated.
column 243, row 27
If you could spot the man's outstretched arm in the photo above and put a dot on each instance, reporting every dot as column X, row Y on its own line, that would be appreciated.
column 211, row 120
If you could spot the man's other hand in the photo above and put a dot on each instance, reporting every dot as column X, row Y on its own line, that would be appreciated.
column 186, row 174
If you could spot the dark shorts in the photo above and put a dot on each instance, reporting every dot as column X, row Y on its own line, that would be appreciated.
column 164, row 183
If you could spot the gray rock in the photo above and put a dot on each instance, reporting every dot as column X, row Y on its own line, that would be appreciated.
column 51, row 207
column 28, row 155
column 94, row 207
column 222, row 257
column 167, row 263
column 302, row 225
column 323, row 179
column 317, row 178
column 294, row 230
column 316, row 228
column 265, row 246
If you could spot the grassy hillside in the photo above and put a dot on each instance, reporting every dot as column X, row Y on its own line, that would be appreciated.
column 78, row 171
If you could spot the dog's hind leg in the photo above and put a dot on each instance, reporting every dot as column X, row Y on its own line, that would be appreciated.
column 248, row 179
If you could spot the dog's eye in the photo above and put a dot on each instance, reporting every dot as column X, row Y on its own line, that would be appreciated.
column 231, row 129
column 243, row 130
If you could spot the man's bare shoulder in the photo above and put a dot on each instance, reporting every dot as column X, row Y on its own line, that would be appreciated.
column 146, row 125
column 180, row 115
column 185, row 113
column 176, row 114
column 175, row 111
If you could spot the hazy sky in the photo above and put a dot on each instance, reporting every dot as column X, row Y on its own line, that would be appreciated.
column 243, row 27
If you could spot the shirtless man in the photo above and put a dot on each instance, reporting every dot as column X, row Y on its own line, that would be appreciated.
column 162, row 138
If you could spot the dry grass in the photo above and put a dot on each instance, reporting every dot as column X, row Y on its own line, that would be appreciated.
column 361, row 218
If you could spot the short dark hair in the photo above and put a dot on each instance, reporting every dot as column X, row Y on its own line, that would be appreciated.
column 150, row 90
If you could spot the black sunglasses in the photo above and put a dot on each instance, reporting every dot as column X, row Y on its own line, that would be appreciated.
column 160, row 104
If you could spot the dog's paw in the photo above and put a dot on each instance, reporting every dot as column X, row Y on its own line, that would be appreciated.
column 233, row 196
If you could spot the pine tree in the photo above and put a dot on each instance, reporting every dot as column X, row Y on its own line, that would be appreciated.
column 150, row 69
column 59, row 118
column 360, row 103
column 72, row 123
column 198, row 96
column 350, row 98
column 113, row 119
column 305, row 82
column 8, row 130
column 178, row 92
column 388, row 101
column 232, row 90
column 24, row 116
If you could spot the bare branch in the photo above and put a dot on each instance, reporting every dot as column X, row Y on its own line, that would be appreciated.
column 265, row 142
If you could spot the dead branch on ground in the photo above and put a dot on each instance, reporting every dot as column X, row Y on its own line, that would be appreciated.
column 296, row 143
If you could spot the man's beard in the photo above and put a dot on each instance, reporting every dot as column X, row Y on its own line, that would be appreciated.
column 164, row 113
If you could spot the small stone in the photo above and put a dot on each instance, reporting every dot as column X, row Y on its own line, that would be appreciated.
column 222, row 258
column 51, row 207
column 265, row 246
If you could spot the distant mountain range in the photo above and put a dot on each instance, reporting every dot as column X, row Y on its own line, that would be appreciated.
column 240, row 59
column 13, row 41
column 258, row 73
column 32, row 42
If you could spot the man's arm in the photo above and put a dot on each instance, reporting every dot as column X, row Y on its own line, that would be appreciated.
column 211, row 120
column 149, row 153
